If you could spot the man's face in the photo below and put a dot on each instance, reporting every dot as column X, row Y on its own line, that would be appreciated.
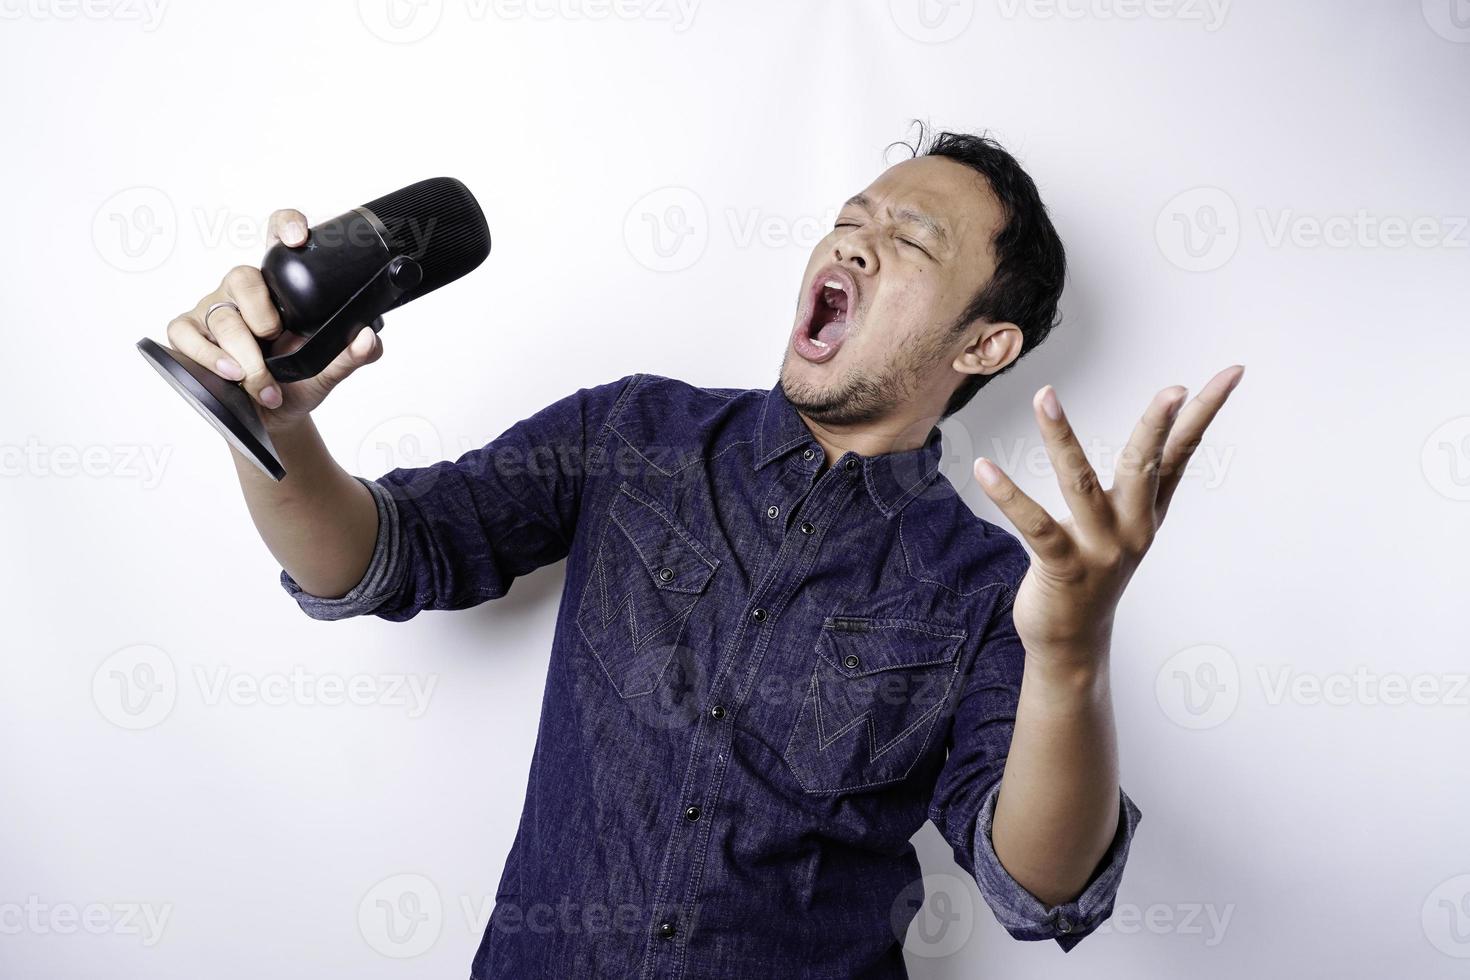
column 883, row 292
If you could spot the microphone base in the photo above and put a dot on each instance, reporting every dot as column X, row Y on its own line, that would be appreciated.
column 223, row 404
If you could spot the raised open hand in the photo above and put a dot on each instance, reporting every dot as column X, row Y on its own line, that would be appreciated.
column 1064, row 607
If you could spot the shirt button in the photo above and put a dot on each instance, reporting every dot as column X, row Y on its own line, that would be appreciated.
column 806, row 527
column 666, row 930
column 758, row 614
column 850, row 661
column 665, row 574
column 717, row 712
column 850, row 465
column 1064, row 924
column 808, row 454
column 773, row 512
column 692, row 813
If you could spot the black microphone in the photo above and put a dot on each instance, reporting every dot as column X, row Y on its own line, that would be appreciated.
column 350, row 271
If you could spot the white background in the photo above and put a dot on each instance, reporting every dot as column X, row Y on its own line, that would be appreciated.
column 1289, row 664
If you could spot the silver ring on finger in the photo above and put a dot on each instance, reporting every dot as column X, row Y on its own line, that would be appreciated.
column 218, row 306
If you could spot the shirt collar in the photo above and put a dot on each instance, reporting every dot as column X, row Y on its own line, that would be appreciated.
column 892, row 479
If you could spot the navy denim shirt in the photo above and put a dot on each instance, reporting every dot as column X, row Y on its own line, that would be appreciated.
column 767, row 674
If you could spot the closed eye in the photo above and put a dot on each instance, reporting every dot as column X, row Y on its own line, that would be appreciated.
column 914, row 245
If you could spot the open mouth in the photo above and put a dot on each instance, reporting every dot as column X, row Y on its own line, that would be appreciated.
column 827, row 320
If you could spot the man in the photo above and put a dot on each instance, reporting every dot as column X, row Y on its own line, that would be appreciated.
column 784, row 642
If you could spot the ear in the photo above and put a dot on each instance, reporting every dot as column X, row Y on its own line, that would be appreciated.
column 988, row 347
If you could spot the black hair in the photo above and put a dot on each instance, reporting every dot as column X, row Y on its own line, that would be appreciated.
column 1030, row 263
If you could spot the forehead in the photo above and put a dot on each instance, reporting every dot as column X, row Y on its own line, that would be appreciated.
column 953, row 194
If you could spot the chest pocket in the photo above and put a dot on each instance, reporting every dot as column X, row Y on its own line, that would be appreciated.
column 877, row 689
column 648, row 574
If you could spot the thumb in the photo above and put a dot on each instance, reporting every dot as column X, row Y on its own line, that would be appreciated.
column 365, row 348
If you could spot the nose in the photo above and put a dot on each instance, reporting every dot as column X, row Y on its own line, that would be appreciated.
column 856, row 254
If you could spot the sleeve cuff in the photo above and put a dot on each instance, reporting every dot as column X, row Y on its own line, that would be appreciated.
column 1022, row 914
column 377, row 582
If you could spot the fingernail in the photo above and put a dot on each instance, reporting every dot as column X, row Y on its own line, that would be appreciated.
column 987, row 472
column 1050, row 405
column 229, row 368
column 270, row 396
column 1236, row 381
column 295, row 233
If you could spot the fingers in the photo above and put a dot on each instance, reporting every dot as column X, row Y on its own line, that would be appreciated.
column 1137, row 477
column 1189, row 428
column 232, row 334
column 1045, row 536
column 186, row 334
column 287, row 226
column 1080, row 487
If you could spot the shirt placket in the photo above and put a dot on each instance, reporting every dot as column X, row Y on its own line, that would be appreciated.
column 818, row 502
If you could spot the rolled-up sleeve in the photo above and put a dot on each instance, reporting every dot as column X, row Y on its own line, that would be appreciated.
column 384, row 572
column 1025, row 916
column 963, row 806
column 455, row 534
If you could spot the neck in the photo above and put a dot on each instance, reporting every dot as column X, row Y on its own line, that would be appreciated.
column 893, row 434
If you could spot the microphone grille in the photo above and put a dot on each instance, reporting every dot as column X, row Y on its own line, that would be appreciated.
column 439, row 224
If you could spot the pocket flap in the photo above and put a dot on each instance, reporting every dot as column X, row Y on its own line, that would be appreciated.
column 856, row 646
column 674, row 560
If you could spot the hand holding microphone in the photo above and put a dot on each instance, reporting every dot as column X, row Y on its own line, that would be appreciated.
column 222, row 333
column 280, row 337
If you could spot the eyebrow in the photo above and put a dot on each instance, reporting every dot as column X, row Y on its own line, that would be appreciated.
column 929, row 223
